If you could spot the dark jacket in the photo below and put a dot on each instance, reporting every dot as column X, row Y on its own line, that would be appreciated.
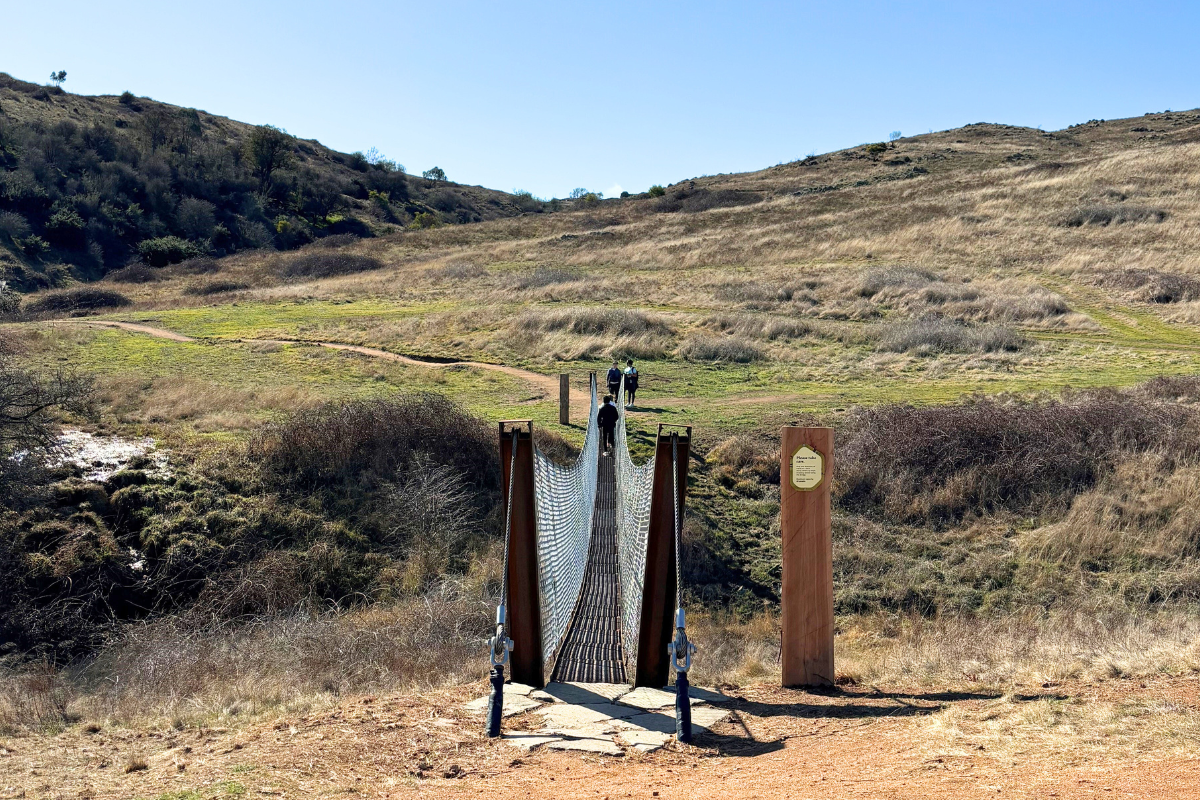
column 614, row 376
column 607, row 418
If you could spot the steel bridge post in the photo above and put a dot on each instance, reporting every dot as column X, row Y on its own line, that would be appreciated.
column 657, row 624
column 524, row 599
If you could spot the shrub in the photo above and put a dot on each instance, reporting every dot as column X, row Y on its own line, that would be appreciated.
column 713, row 348
column 196, row 218
column 167, row 250
column 657, row 191
column 127, row 99
column 134, row 273
column 325, row 265
column 199, row 266
column 348, row 448
column 13, row 225
column 65, row 228
column 10, row 301
column 939, row 335
column 214, row 287
column 80, row 299
column 942, row 463
column 425, row 219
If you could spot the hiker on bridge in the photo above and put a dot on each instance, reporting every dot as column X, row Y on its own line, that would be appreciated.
column 606, row 418
column 631, row 382
column 614, row 379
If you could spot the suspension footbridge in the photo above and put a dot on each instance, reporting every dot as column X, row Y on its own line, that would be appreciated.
column 591, row 589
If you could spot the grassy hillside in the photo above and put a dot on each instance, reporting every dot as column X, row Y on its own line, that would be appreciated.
column 88, row 184
column 1001, row 322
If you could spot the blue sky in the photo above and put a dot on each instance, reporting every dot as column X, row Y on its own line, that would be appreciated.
column 551, row 96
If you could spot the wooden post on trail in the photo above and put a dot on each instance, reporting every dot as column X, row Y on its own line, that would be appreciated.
column 524, row 597
column 564, row 399
column 805, row 476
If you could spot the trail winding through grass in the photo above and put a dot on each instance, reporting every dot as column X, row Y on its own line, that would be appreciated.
column 546, row 384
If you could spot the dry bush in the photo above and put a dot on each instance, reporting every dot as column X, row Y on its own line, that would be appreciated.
column 215, row 287
column 732, row 349
column 555, row 447
column 172, row 672
column 73, row 300
column 135, row 273
column 358, row 443
column 197, row 266
column 34, row 697
column 1111, row 215
column 936, row 335
column 753, row 326
column 325, row 265
column 941, row 463
column 1154, row 286
column 745, row 462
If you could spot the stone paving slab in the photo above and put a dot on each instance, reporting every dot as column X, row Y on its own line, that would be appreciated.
column 513, row 704
column 580, row 693
column 603, row 746
column 649, row 699
column 518, row 689
column 644, row 741
column 564, row 715
column 528, row 741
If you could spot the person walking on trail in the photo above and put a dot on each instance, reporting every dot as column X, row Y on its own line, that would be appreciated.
column 631, row 382
column 606, row 418
column 614, row 379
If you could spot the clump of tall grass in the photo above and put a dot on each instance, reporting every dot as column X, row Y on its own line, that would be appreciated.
column 81, row 299
column 594, row 321
column 544, row 276
column 1104, row 215
column 877, row 279
column 759, row 327
column 732, row 349
column 1155, row 286
column 936, row 335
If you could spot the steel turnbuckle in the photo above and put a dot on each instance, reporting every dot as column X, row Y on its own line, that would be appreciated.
column 500, row 644
column 680, row 649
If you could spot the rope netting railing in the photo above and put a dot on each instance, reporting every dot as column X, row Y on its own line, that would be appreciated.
column 635, row 486
column 564, row 501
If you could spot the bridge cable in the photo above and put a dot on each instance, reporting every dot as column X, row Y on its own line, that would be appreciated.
column 680, row 649
column 500, row 644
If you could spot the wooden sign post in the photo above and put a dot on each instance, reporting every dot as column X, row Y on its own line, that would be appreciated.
column 807, row 598
column 564, row 399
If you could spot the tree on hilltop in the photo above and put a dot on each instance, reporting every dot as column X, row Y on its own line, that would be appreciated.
column 436, row 174
column 58, row 77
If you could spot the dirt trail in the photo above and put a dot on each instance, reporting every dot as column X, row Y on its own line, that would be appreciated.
column 546, row 384
column 779, row 743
